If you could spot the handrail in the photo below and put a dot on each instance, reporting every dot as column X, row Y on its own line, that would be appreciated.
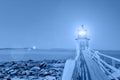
column 118, row 60
column 79, row 69
column 83, row 68
column 112, row 67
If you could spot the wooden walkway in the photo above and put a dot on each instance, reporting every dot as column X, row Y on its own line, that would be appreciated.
column 95, row 71
column 84, row 68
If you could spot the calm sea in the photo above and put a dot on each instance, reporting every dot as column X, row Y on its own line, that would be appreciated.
column 112, row 53
column 27, row 54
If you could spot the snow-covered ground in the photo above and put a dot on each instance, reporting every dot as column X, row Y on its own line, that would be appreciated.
column 32, row 70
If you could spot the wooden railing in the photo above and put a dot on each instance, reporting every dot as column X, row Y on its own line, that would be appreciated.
column 110, row 65
column 92, row 65
column 87, row 66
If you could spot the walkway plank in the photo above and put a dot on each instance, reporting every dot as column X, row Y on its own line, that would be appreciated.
column 95, row 72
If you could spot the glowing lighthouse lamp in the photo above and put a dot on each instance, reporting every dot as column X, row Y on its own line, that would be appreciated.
column 82, row 33
column 82, row 39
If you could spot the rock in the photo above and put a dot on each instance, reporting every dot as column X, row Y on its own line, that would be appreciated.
column 44, row 73
column 1, row 65
column 33, row 77
column 42, row 65
column 50, row 78
column 31, row 70
column 8, row 78
column 35, row 68
column 1, row 75
column 14, row 72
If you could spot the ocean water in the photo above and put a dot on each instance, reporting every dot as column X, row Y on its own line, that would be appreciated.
column 38, row 54
column 113, row 53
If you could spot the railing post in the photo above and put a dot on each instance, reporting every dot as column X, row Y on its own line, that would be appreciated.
column 113, row 63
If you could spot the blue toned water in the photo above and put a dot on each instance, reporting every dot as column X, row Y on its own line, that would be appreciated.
column 38, row 54
column 27, row 54
column 113, row 53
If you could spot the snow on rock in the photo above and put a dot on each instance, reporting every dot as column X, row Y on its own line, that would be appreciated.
column 35, row 68
column 32, row 70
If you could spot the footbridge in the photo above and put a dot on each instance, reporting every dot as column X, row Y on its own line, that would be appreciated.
column 90, row 64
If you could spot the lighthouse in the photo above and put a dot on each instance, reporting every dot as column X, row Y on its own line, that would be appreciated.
column 82, row 39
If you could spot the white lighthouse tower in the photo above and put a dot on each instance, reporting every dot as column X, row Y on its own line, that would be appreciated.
column 82, row 40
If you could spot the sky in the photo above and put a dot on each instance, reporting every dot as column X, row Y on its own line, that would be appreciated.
column 52, row 23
